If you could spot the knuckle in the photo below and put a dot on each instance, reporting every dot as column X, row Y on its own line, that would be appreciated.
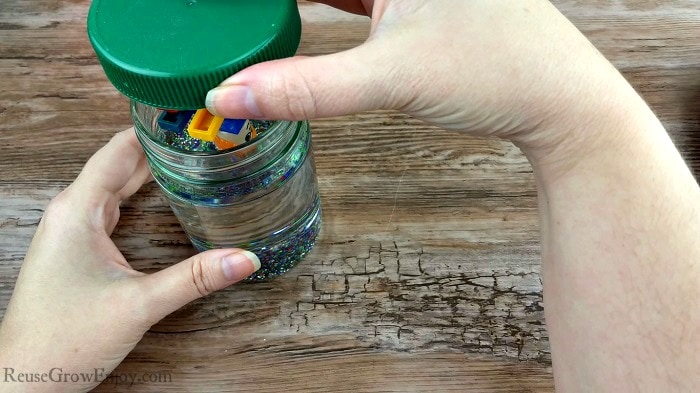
column 58, row 210
column 124, row 138
column 125, row 135
column 116, row 138
column 304, row 101
column 202, row 277
column 295, row 98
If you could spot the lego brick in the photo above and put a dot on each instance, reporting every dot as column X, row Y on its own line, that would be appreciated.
column 233, row 126
column 222, row 144
column 237, row 131
column 204, row 125
column 174, row 121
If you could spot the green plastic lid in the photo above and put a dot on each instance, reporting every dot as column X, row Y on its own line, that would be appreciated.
column 170, row 53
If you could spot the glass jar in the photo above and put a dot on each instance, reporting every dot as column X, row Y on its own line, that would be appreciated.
column 261, row 196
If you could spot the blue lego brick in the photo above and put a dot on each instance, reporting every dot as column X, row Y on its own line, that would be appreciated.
column 232, row 126
column 175, row 121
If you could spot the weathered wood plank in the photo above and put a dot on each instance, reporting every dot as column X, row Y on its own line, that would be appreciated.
column 339, row 368
column 426, row 275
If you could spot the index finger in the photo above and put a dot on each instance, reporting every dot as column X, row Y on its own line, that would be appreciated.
column 117, row 170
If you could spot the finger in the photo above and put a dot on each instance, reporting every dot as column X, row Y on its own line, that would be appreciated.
column 112, row 174
column 117, row 170
column 141, row 176
column 198, row 276
column 355, row 7
column 301, row 88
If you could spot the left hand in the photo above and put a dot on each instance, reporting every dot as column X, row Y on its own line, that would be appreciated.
column 78, row 305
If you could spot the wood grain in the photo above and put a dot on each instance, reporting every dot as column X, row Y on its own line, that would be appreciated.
column 426, row 275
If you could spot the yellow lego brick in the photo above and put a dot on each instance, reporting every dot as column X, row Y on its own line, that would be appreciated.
column 204, row 125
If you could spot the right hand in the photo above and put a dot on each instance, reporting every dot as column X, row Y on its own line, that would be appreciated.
column 618, row 206
column 491, row 67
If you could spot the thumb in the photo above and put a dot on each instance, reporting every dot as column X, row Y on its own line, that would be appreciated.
column 198, row 276
column 300, row 88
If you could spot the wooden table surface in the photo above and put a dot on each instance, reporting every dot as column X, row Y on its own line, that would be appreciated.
column 426, row 276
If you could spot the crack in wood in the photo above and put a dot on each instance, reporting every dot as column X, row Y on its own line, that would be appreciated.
column 498, row 313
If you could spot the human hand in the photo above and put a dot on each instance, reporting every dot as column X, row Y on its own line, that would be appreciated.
column 521, row 72
column 618, row 206
column 78, row 305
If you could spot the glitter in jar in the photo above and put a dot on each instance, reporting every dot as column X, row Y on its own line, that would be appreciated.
column 261, row 195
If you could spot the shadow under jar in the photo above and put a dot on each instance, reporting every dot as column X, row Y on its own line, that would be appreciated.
column 261, row 196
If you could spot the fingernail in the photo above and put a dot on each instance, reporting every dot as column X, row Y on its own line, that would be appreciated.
column 240, row 265
column 237, row 99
